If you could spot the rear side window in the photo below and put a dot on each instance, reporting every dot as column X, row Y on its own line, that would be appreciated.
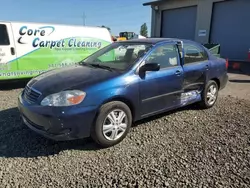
column 4, row 38
column 193, row 54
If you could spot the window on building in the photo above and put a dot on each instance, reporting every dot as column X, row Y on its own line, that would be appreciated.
column 4, row 38
column 194, row 54
column 166, row 55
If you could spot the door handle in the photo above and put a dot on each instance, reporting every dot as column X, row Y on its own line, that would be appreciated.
column 12, row 50
column 178, row 72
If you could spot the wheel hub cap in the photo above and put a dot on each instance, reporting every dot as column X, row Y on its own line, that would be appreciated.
column 211, row 95
column 115, row 125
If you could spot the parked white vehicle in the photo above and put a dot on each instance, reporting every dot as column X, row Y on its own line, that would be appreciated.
column 28, row 49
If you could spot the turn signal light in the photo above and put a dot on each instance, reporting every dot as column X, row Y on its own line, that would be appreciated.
column 76, row 99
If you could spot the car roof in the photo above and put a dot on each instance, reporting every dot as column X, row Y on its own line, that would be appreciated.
column 156, row 40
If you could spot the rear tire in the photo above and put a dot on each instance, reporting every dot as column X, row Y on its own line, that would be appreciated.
column 209, row 95
column 112, row 124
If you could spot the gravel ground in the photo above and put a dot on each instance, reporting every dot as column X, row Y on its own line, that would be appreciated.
column 238, row 85
column 185, row 148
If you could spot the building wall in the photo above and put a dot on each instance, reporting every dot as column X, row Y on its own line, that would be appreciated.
column 204, row 15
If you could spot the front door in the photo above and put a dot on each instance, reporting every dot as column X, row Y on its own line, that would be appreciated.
column 161, row 90
column 196, row 65
column 7, row 47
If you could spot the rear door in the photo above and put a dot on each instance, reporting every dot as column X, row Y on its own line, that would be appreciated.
column 7, row 46
column 196, row 66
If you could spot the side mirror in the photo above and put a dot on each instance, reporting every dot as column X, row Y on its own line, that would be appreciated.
column 150, row 67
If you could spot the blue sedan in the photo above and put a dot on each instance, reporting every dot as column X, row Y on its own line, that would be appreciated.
column 124, row 82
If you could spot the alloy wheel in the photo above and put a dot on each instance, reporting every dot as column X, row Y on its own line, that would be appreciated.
column 115, row 125
column 211, row 94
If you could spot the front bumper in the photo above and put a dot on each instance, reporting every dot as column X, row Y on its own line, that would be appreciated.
column 58, row 123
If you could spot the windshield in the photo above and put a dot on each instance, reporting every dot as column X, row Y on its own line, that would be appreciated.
column 118, row 56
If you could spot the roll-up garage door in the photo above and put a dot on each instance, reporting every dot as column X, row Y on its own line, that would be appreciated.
column 179, row 23
column 230, row 27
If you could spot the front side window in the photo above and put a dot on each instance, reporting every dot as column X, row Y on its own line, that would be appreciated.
column 166, row 55
column 4, row 38
column 118, row 56
column 194, row 54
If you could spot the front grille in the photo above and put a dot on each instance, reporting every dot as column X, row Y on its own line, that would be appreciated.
column 31, row 95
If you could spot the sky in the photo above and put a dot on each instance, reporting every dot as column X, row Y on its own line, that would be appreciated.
column 119, row 15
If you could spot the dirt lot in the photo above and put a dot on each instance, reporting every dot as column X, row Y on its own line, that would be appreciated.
column 184, row 148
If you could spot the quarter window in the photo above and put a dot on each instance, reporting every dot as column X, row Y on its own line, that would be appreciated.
column 4, row 38
column 165, row 55
column 194, row 54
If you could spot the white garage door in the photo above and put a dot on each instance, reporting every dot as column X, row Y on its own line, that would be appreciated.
column 231, row 28
column 179, row 23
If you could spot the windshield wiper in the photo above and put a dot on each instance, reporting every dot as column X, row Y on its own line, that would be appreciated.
column 85, row 64
column 89, row 64
column 101, row 66
column 96, row 65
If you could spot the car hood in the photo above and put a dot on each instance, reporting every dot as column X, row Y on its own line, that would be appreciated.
column 68, row 78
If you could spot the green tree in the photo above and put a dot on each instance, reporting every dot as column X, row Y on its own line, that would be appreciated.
column 144, row 30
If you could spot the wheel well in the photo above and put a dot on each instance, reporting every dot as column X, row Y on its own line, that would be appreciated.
column 217, row 81
column 124, row 100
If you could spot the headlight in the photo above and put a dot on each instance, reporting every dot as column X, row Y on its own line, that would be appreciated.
column 64, row 98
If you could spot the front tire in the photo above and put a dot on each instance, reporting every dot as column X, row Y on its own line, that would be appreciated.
column 112, row 124
column 209, row 95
